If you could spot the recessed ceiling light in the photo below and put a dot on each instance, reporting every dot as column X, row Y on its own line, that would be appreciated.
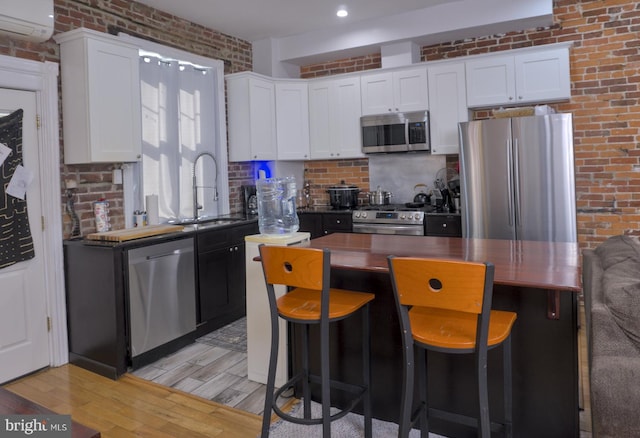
column 342, row 12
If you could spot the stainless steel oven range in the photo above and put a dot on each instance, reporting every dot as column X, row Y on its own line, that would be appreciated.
column 389, row 219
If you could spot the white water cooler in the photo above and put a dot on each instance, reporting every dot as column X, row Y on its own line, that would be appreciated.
column 258, row 323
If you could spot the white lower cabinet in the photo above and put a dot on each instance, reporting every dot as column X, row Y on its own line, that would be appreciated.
column 447, row 99
column 100, row 98
column 258, row 321
column 334, row 118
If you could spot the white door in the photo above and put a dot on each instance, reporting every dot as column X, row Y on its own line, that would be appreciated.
column 24, row 345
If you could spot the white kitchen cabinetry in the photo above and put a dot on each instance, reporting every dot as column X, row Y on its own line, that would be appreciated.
column 334, row 118
column 447, row 96
column 529, row 77
column 401, row 90
column 100, row 98
column 292, row 120
column 252, row 117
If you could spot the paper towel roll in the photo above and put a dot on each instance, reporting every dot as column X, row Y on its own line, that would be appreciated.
column 152, row 209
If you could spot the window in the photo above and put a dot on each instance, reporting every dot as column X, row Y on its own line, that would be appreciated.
column 182, row 117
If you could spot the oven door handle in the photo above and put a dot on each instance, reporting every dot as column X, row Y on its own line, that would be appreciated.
column 414, row 230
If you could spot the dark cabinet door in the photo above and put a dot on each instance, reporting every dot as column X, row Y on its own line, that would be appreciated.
column 214, row 278
column 336, row 223
column 221, row 276
column 311, row 223
column 443, row 225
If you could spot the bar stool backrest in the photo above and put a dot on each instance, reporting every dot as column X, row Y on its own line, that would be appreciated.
column 295, row 267
column 443, row 284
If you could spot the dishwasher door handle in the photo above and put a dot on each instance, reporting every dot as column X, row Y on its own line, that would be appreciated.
column 174, row 252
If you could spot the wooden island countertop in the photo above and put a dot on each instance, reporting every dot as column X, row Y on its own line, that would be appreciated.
column 539, row 281
column 540, row 265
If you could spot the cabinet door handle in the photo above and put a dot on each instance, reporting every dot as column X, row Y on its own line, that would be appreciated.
column 444, row 225
column 337, row 221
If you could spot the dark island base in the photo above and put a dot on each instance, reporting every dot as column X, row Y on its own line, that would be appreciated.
column 545, row 368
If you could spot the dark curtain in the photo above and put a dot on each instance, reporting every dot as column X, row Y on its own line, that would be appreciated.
column 16, row 244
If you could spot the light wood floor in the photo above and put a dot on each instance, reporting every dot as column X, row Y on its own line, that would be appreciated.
column 133, row 406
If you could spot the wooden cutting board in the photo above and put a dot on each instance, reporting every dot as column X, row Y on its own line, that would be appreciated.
column 134, row 233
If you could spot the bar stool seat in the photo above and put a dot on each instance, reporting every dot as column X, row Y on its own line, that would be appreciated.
column 449, row 329
column 304, row 304
column 310, row 300
column 445, row 306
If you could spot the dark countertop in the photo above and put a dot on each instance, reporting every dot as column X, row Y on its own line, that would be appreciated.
column 429, row 211
column 540, row 265
column 219, row 223
column 324, row 209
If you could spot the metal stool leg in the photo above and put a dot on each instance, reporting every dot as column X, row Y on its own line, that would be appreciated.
column 324, row 370
column 407, row 386
column 271, row 376
column 508, row 388
column 421, row 362
column 484, row 426
column 366, row 371
column 306, row 389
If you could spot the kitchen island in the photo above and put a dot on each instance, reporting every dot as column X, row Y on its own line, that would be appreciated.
column 540, row 281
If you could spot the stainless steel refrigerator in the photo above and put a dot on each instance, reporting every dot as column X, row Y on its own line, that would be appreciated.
column 517, row 178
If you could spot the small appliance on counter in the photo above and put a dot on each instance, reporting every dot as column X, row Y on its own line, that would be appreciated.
column 250, row 199
column 343, row 196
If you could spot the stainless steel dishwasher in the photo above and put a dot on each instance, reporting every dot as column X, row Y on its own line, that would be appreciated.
column 162, row 294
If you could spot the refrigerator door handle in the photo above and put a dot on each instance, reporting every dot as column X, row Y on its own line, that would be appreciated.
column 510, row 181
column 516, row 180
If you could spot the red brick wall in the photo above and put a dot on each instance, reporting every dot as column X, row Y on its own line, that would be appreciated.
column 604, row 73
column 110, row 16
column 324, row 174
column 604, row 77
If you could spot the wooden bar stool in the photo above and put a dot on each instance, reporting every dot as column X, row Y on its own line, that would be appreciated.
column 310, row 300
column 445, row 306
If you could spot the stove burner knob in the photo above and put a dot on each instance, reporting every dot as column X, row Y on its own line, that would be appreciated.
column 356, row 214
column 364, row 215
column 417, row 216
column 402, row 216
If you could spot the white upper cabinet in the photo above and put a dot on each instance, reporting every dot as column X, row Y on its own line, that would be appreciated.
column 533, row 76
column 543, row 76
column 401, row 90
column 251, row 118
column 292, row 120
column 447, row 96
column 100, row 98
column 334, row 118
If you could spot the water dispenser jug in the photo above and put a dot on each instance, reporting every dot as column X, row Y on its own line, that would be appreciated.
column 277, row 206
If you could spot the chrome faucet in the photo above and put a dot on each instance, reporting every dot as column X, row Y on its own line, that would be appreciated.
column 196, row 206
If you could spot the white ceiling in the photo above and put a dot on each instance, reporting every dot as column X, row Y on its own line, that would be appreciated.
column 286, row 34
column 254, row 20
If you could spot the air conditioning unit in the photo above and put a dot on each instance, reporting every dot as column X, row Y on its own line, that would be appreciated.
column 27, row 19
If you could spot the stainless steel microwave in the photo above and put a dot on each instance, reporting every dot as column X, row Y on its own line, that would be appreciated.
column 396, row 132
